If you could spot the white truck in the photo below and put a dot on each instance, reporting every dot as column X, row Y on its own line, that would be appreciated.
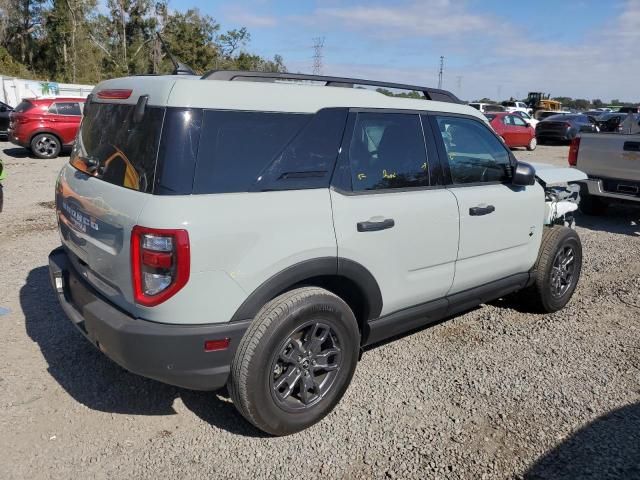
column 612, row 164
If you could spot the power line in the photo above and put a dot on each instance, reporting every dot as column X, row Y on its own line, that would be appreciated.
column 441, row 70
column 318, row 45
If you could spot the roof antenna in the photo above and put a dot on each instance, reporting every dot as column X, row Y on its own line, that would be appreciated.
column 179, row 68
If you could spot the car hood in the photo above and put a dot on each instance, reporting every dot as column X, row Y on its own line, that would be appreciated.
column 552, row 174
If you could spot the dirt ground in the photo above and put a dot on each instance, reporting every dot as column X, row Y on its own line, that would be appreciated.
column 495, row 393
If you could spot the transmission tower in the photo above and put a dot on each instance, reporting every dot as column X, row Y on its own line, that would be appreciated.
column 318, row 45
column 441, row 71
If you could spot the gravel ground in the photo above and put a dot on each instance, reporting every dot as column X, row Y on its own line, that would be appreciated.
column 494, row 393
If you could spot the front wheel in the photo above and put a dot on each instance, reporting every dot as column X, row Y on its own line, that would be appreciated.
column 557, row 269
column 296, row 361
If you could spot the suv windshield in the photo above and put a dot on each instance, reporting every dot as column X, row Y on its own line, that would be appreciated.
column 115, row 148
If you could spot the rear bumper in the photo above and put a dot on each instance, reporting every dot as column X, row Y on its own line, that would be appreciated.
column 559, row 136
column 15, row 139
column 596, row 187
column 172, row 354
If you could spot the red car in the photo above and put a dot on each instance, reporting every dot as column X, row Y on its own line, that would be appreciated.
column 513, row 129
column 45, row 125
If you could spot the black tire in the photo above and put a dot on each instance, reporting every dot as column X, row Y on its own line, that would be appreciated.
column 45, row 145
column 590, row 205
column 269, row 391
column 548, row 274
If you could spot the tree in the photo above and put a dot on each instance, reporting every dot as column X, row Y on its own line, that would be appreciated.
column 23, row 22
column 190, row 37
column 73, row 41
column 68, row 55
column 597, row 103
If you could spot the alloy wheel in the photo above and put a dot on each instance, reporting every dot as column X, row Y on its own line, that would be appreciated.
column 46, row 146
column 562, row 271
column 305, row 366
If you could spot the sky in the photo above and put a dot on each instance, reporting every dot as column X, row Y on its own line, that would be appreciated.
column 492, row 48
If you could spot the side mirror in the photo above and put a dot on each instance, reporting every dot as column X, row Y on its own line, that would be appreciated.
column 523, row 175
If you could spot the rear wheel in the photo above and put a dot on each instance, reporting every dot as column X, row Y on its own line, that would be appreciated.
column 533, row 143
column 45, row 145
column 296, row 361
column 557, row 269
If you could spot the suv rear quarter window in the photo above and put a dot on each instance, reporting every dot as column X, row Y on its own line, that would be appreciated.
column 236, row 146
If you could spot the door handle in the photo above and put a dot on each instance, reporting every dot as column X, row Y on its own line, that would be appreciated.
column 370, row 226
column 481, row 210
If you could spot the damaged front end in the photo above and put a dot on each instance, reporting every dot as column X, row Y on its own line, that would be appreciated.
column 562, row 192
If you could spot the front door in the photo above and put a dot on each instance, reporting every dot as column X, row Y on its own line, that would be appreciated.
column 500, row 225
column 391, row 214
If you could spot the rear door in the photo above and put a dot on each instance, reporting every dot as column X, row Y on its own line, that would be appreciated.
column 66, row 117
column 391, row 213
column 500, row 225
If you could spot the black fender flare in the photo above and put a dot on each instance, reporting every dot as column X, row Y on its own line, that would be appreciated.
column 307, row 270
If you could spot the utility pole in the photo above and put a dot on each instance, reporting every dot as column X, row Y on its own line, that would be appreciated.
column 441, row 70
column 459, row 83
column 318, row 45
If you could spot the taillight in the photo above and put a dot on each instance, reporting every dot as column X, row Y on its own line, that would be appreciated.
column 573, row 151
column 160, row 263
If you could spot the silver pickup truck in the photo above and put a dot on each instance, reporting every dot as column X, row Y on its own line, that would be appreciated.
column 612, row 163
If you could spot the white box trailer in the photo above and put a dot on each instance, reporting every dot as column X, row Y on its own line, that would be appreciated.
column 13, row 90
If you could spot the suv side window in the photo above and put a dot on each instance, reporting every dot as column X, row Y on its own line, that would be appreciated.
column 388, row 151
column 308, row 161
column 235, row 147
column 66, row 108
column 474, row 153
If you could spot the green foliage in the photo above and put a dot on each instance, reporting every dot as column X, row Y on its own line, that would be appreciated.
column 11, row 68
column 74, row 41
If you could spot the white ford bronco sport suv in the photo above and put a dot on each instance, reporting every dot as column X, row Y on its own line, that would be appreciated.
column 258, row 230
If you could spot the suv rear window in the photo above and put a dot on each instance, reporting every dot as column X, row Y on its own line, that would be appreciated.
column 114, row 148
column 23, row 106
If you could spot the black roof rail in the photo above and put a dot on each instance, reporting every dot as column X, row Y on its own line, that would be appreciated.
column 247, row 76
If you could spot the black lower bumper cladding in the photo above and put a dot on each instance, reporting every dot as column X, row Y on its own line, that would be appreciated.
column 173, row 354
